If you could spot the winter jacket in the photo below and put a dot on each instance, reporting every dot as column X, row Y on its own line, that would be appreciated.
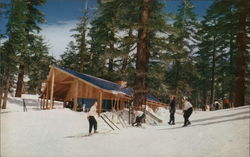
column 172, row 105
column 92, row 111
column 187, row 105
column 138, row 113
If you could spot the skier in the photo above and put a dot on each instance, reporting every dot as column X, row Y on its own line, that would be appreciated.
column 225, row 103
column 139, row 117
column 91, row 117
column 187, row 111
column 216, row 105
column 172, row 110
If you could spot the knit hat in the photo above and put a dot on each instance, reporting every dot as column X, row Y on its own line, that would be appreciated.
column 184, row 97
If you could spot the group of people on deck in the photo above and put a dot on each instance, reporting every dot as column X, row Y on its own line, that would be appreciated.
column 187, row 111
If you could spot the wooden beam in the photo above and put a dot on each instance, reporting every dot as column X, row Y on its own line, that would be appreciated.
column 53, row 103
column 100, row 102
column 64, row 103
column 44, row 101
column 52, row 87
column 65, row 82
column 48, row 78
column 41, row 102
column 47, row 97
column 75, row 94
column 112, row 104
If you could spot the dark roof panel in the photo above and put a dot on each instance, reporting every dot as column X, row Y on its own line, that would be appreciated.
column 104, row 84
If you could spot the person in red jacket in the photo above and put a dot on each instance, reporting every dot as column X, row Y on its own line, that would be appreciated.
column 225, row 103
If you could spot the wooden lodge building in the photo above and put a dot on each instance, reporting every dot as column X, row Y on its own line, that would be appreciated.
column 69, row 86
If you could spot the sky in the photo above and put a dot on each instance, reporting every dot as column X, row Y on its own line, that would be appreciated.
column 63, row 15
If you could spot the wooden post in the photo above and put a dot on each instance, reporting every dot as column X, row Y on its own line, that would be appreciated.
column 112, row 104
column 115, row 104
column 100, row 102
column 52, row 88
column 44, row 101
column 41, row 102
column 75, row 94
column 47, row 96
column 53, row 103
column 64, row 103
column 119, row 104
column 122, row 105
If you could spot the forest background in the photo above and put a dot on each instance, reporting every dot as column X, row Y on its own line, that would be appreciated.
column 138, row 42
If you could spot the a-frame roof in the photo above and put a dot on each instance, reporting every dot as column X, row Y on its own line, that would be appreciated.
column 104, row 84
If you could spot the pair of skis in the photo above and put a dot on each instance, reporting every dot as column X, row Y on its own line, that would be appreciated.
column 121, row 121
column 110, row 123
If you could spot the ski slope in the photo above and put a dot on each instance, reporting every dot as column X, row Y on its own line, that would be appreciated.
column 61, row 132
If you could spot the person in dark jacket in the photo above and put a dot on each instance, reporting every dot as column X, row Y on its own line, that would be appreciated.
column 172, row 110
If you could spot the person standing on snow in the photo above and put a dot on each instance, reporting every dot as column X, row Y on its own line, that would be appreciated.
column 91, row 117
column 172, row 110
column 187, row 111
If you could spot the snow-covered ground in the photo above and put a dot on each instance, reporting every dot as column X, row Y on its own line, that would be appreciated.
column 61, row 132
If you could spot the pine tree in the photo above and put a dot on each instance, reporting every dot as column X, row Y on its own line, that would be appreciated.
column 105, row 41
column 23, row 47
column 16, row 31
column 39, row 66
column 126, row 23
column 160, row 50
column 142, row 54
column 32, row 16
column 80, row 38
column 70, row 56
column 243, row 11
column 7, row 70
column 2, row 7
column 221, row 31
column 183, row 70
column 2, row 10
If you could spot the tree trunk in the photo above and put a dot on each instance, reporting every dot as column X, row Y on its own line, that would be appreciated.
column 111, row 63
column 83, row 46
column 1, row 96
column 83, row 34
column 204, row 96
column 213, row 76
column 124, row 64
column 176, row 84
column 142, row 56
column 111, row 47
column 232, row 69
column 128, row 49
column 20, row 81
column 6, row 91
column 82, row 50
column 240, row 61
column 177, row 78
